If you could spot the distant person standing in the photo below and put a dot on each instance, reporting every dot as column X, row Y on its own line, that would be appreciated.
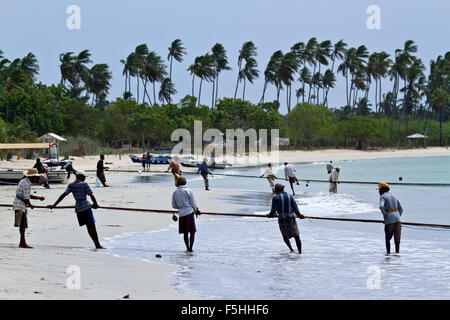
column 42, row 171
column 183, row 200
column 213, row 160
column 22, row 201
column 148, row 160
column 286, row 207
column 334, row 179
column 289, row 172
column 204, row 171
column 392, row 210
column 270, row 175
column 143, row 161
column 101, row 170
column 80, row 190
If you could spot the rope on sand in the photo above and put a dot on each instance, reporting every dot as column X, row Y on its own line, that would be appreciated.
column 248, row 215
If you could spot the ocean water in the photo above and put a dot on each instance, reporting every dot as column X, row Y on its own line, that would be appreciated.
column 246, row 258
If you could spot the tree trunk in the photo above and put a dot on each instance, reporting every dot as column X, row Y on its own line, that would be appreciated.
column 199, row 92
column 237, row 82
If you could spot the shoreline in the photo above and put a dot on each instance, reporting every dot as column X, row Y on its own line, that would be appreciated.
column 59, row 242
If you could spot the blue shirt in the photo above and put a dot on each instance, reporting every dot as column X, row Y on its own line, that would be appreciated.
column 203, row 168
column 284, row 204
column 80, row 189
column 390, row 207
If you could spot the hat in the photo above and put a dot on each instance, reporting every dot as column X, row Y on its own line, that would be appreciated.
column 31, row 173
column 338, row 168
column 279, row 186
column 80, row 173
column 382, row 185
column 181, row 181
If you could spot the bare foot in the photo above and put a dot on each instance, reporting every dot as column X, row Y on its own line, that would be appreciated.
column 25, row 246
column 99, row 247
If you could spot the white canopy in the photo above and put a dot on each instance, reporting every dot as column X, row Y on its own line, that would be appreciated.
column 417, row 136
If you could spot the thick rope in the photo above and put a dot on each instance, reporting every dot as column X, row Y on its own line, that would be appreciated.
column 246, row 215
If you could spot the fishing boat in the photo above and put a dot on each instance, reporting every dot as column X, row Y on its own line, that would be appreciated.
column 159, row 159
column 194, row 164
column 13, row 176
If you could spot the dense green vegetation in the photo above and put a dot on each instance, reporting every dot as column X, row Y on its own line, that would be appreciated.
column 77, row 107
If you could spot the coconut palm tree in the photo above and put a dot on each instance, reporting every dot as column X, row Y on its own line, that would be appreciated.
column 271, row 73
column 305, row 77
column 441, row 100
column 153, row 71
column 249, row 72
column 203, row 68
column 139, row 57
column 166, row 90
column 329, row 81
column 247, row 52
column 176, row 51
column 220, row 64
column 98, row 80
column 287, row 67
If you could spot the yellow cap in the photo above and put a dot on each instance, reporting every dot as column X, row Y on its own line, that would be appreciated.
column 382, row 185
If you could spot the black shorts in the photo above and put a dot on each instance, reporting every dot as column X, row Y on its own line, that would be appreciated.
column 85, row 217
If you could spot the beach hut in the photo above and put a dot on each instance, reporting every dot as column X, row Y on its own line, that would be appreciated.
column 52, row 140
column 416, row 136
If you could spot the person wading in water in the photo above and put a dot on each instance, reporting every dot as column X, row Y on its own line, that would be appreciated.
column 392, row 210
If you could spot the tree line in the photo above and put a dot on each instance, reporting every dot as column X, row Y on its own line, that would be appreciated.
column 146, row 113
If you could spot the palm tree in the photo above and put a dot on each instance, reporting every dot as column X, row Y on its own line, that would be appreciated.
column 176, row 51
column 305, row 77
column 270, row 74
column 140, row 54
column 329, row 81
column 249, row 72
column 166, row 90
column 338, row 51
column 220, row 64
column 154, row 70
column 441, row 101
column 286, row 69
column 98, row 81
column 203, row 68
column 247, row 52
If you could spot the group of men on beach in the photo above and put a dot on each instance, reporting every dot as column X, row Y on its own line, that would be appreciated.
column 283, row 205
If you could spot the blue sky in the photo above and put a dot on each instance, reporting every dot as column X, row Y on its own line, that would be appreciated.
column 112, row 29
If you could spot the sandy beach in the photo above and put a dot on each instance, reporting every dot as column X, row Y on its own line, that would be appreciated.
column 59, row 242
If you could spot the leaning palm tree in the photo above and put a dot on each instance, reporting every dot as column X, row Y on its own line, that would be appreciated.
column 328, row 81
column 203, row 68
column 286, row 69
column 220, row 64
column 249, row 72
column 166, row 90
column 247, row 52
column 98, row 81
column 305, row 77
column 154, row 70
column 140, row 54
column 176, row 51
column 270, row 74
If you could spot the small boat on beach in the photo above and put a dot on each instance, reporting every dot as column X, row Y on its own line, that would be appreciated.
column 194, row 164
column 13, row 176
column 159, row 159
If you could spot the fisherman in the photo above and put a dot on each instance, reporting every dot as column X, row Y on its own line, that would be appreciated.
column 148, row 160
column 392, row 210
column 101, row 170
column 41, row 170
column 69, row 168
column 204, row 171
column 143, row 161
column 80, row 189
column 334, row 179
column 289, row 172
column 329, row 167
column 22, row 200
column 285, row 205
column 213, row 160
column 270, row 175
column 183, row 200
column 174, row 167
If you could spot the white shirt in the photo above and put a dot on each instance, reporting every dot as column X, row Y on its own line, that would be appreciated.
column 268, row 172
column 289, row 170
column 183, row 200
column 334, row 175
column 23, row 190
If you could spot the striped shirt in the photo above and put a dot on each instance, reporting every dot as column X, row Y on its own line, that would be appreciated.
column 23, row 190
column 183, row 200
column 289, row 171
column 284, row 204
column 80, row 189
